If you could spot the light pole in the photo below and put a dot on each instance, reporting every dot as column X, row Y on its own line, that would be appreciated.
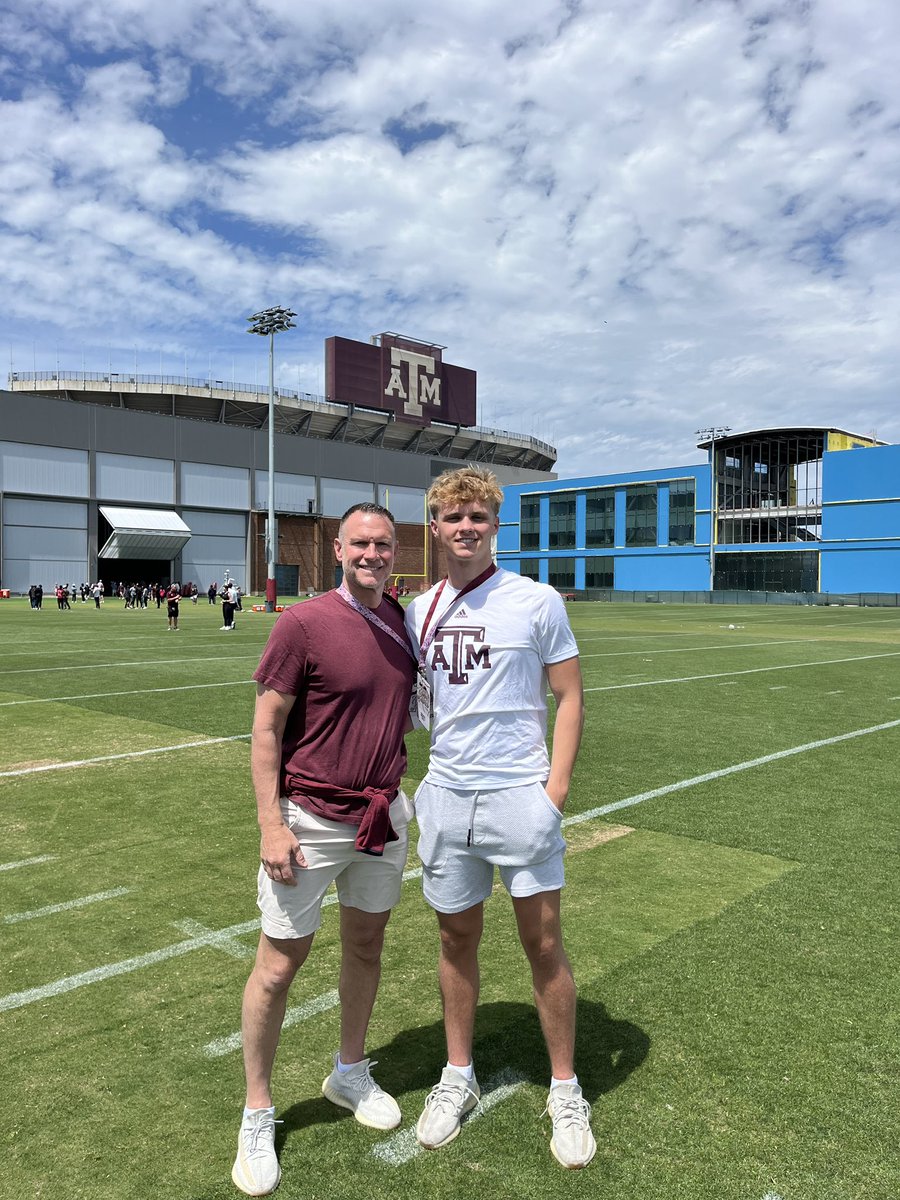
column 712, row 432
column 267, row 323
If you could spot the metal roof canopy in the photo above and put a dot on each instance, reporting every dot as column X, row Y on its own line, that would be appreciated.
column 144, row 533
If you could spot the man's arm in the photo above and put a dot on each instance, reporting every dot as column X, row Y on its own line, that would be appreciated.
column 277, row 844
column 564, row 679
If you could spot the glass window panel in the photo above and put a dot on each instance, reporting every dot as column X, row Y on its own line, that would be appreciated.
column 599, row 573
column 530, row 568
column 561, row 573
column 530, row 523
column 562, row 521
column 640, row 515
column 600, row 518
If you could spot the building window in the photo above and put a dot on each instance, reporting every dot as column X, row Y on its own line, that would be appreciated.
column 681, row 512
column 561, row 573
column 796, row 571
column 640, row 515
column 600, row 529
column 562, row 521
column 530, row 568
column 598, row 572
column 530, row 523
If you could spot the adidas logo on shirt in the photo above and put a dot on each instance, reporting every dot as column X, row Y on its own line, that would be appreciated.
column 461, row 612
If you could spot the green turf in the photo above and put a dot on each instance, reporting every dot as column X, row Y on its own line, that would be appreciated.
column 735, row 953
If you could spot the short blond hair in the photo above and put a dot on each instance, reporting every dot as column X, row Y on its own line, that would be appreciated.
column 468, row 485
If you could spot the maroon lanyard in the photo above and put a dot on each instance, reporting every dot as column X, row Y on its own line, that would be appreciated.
column 425, row 642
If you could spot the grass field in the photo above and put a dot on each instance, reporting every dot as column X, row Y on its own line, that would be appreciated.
column 731, row 912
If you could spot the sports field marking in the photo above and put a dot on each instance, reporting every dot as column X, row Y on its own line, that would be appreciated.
column 61, row 649
column 187, row 687
column 703, row 649
column 92, row 762
column 147, row 662
column 28, row 862
column 403, row 1145
column 771, row 1196
column 110, row 970
column 825, row 662
column 837, row 693
column 779, row 687
column 220, row 938
column 762, row 761
column 214, row 938
column 81, row 902
column 293, row 1016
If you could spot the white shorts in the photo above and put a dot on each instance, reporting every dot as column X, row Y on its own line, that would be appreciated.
column 365, row 881
column 463, row 835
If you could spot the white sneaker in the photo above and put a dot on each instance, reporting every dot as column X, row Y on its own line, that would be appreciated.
column 357, row 1090
column 573, row 1142
column 445, row 1106
column 256, row 1171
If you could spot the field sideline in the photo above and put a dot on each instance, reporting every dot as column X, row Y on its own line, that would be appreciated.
column 731, row 912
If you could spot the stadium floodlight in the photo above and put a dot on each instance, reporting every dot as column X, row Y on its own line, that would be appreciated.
column 711, row 433
column 267, row 323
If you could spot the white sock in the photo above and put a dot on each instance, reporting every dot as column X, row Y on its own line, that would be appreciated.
column 248, row 1111
column 554, row 1082
column 468, row 1073
column 343, row 1067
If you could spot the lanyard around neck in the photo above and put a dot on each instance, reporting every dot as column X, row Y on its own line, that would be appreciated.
column 425, row 640
column 374, row 619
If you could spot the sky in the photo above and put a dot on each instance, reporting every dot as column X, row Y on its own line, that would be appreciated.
column 633, row 218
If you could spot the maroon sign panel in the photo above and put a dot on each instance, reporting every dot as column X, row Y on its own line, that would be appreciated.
column 402, row 376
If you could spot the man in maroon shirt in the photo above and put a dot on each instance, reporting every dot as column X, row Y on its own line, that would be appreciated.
column 327, row 757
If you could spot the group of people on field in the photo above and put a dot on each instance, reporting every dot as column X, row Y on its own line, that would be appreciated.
column 343, row 677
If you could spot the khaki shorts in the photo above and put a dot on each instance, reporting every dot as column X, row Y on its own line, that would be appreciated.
column 363, row 881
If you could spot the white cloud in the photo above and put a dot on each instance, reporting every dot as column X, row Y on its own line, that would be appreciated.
column 630, row 219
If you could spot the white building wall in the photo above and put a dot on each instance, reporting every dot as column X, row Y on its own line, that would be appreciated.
column 45, row 542
column 133, row 477
column 208, row 486
column 218, row 543
column 43, row 470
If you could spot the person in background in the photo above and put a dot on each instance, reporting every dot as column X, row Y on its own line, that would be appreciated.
column 229, row 603
column 173, row 596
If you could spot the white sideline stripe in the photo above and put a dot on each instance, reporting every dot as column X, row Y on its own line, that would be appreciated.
column 214, row 938
column 293, row 1016
column 147, row 662
column 28, row 862
column 98, row 974
column 81, row 902
column 762, row 761
column 403, row 1145
column 825, row 662
column 220, row 938
column 779, row 687
column 187, row 687
column 703, row 649
column 771, row 1196
column 90, row 762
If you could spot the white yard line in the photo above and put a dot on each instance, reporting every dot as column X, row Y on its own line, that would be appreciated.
column 293, row 1016
column 92, row 762
column 28, row 862
column 215, row 938
column 403, row 1146
column 187, row 687
column 702, row 649
column 147, row 662
column 81, row 902
column 825, row 662
column 762, row 761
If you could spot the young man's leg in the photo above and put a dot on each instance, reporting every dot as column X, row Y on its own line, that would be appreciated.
column 460, row 980
column 540, row 932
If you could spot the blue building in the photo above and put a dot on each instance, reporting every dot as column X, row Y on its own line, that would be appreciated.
column 798, row 510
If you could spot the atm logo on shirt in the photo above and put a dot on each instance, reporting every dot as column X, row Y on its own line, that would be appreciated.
column 458, row 651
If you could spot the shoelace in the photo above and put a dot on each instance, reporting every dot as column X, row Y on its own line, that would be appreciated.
column 568, row 1111
column 363, row 1082
column 448, row 1096
column 252, row 1133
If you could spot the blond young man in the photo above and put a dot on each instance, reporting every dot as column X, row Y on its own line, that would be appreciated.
column 327, row 757
column 489, row 643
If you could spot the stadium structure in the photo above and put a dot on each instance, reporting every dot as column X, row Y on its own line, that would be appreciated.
column 136, row 477
column 796, row 513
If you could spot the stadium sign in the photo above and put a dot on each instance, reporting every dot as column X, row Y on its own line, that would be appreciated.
column 400, row 375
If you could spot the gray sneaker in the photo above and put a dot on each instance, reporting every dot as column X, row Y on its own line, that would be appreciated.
column 357, row 1090
column 256, row 1171
column 573, row 1142
column 445, row 1106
